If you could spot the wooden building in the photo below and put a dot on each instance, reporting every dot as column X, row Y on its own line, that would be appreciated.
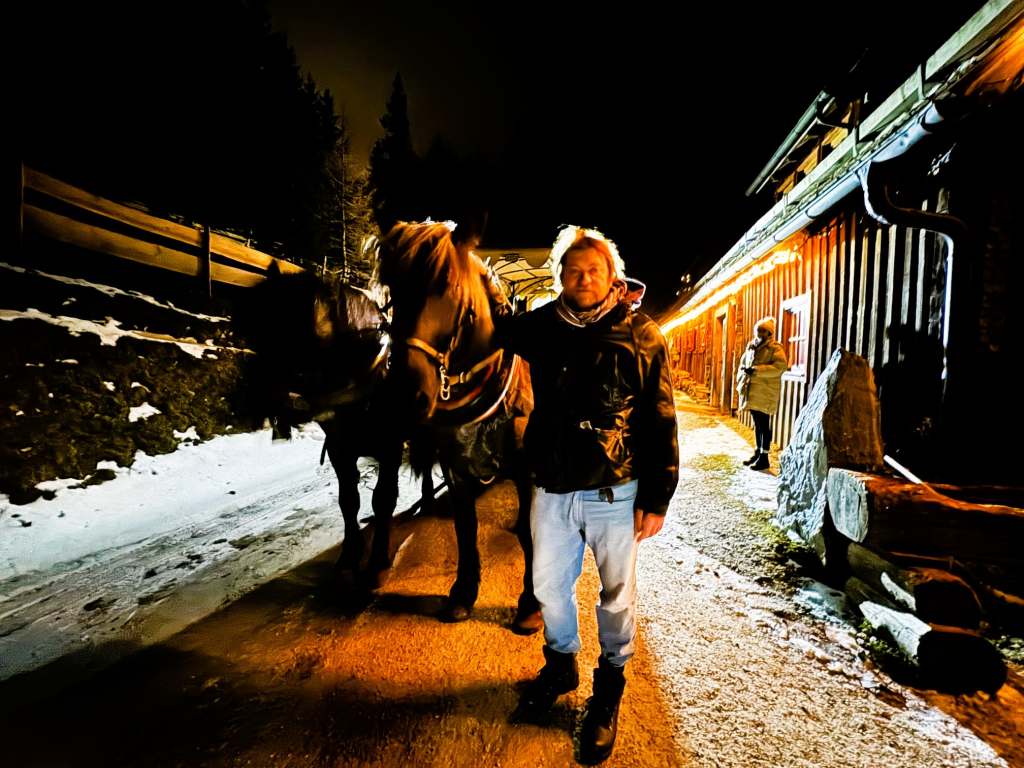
column 898, row 234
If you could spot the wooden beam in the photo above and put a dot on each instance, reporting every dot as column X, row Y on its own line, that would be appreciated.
column 66, row 230
column 71, row 232
column 205, row 263
column 220, row 245
column 111, row 210
column 230, row 249
column 222, row 273
column 949, row 657
column 932, row 594
column 892, row 515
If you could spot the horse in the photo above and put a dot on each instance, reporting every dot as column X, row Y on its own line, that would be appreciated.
column 448, row 375
column 321, row 352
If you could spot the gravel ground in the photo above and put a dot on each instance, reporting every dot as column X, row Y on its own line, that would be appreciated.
column 761, row 663
column 741, row 661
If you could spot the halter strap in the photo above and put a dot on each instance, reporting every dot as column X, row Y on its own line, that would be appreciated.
column 438, row 357
column 472, row 399
column 443, row 359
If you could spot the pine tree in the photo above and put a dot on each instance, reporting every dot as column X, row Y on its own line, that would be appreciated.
column 361, row 229
column 394, row 164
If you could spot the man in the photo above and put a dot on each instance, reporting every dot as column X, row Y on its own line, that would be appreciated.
column 602, row 445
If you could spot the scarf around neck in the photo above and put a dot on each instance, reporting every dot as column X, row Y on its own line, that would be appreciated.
column 585, row 317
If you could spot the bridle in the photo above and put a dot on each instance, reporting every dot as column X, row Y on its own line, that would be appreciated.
column 486, row 383
column 443, row 359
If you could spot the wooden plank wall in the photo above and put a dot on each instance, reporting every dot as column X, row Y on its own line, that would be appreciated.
column 865, row 280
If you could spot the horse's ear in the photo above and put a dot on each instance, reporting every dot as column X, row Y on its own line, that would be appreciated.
column 471, row 228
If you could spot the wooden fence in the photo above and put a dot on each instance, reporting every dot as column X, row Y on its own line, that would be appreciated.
column 67, row 214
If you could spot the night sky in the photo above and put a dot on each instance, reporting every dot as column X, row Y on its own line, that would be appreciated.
column 646, row 123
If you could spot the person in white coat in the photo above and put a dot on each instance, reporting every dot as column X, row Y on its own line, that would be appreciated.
column 759, row 382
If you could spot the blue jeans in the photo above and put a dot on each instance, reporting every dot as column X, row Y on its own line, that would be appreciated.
column 562, row 523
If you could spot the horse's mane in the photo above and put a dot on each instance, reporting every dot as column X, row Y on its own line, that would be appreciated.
column 419, row 258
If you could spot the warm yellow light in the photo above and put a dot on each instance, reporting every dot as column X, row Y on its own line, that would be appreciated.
column 761, row 267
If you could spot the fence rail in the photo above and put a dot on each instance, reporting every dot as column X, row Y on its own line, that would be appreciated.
column 67, row 214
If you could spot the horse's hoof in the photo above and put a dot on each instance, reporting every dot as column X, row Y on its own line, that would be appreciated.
column 527, row 624
column 374, row 579
column 455, row 613
column 345, row 580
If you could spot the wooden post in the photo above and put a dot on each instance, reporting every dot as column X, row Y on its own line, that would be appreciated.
column 206, row 271
column 19, row 232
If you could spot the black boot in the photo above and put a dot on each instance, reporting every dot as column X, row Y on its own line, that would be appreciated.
column 559, row 675
column 601, row 719
column 753, row 458
column 762, row 462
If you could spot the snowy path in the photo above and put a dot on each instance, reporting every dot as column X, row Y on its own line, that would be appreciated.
column 131, row 561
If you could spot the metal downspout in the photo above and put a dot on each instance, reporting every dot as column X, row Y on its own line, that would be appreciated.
column 876, row 179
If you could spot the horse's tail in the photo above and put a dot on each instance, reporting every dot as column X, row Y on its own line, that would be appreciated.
column 422, row 452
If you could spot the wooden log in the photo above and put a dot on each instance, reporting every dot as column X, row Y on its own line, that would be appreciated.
column 205, row 271
column 235, row 251
column 1007, row 495
column 932, row 594
column 860, row 591
column 1004, row 607
column 887, row 514
column 949, row 658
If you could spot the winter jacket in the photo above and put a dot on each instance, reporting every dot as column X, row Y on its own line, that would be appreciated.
column 604, row 411
column 759, row 391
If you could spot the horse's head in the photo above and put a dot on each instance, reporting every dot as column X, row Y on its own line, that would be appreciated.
column 442, row 325
column 312, row 336
column 292, row 314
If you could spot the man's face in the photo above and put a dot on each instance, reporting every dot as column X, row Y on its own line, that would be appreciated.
column 763, row 333
column 586, row 279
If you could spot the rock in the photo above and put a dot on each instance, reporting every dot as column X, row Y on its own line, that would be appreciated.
column 839, row 426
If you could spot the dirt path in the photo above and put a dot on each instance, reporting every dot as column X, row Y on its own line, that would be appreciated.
column 730, row 670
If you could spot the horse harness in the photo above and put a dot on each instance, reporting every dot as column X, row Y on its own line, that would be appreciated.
column 443, row 359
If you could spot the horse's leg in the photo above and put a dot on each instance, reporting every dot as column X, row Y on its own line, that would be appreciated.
column 385, row 498
column 427, row 491
column 463, row 593
column 343, row 459
column 528, row 617
column 422, row 453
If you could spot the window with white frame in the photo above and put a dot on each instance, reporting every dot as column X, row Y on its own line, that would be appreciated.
column 795, row 315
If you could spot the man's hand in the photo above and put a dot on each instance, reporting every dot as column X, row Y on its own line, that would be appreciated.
column 646, row 524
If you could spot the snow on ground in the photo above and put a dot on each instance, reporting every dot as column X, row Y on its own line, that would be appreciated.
column 108, row 332
column 112, row 292
column 143, row 411
column 95, row 562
